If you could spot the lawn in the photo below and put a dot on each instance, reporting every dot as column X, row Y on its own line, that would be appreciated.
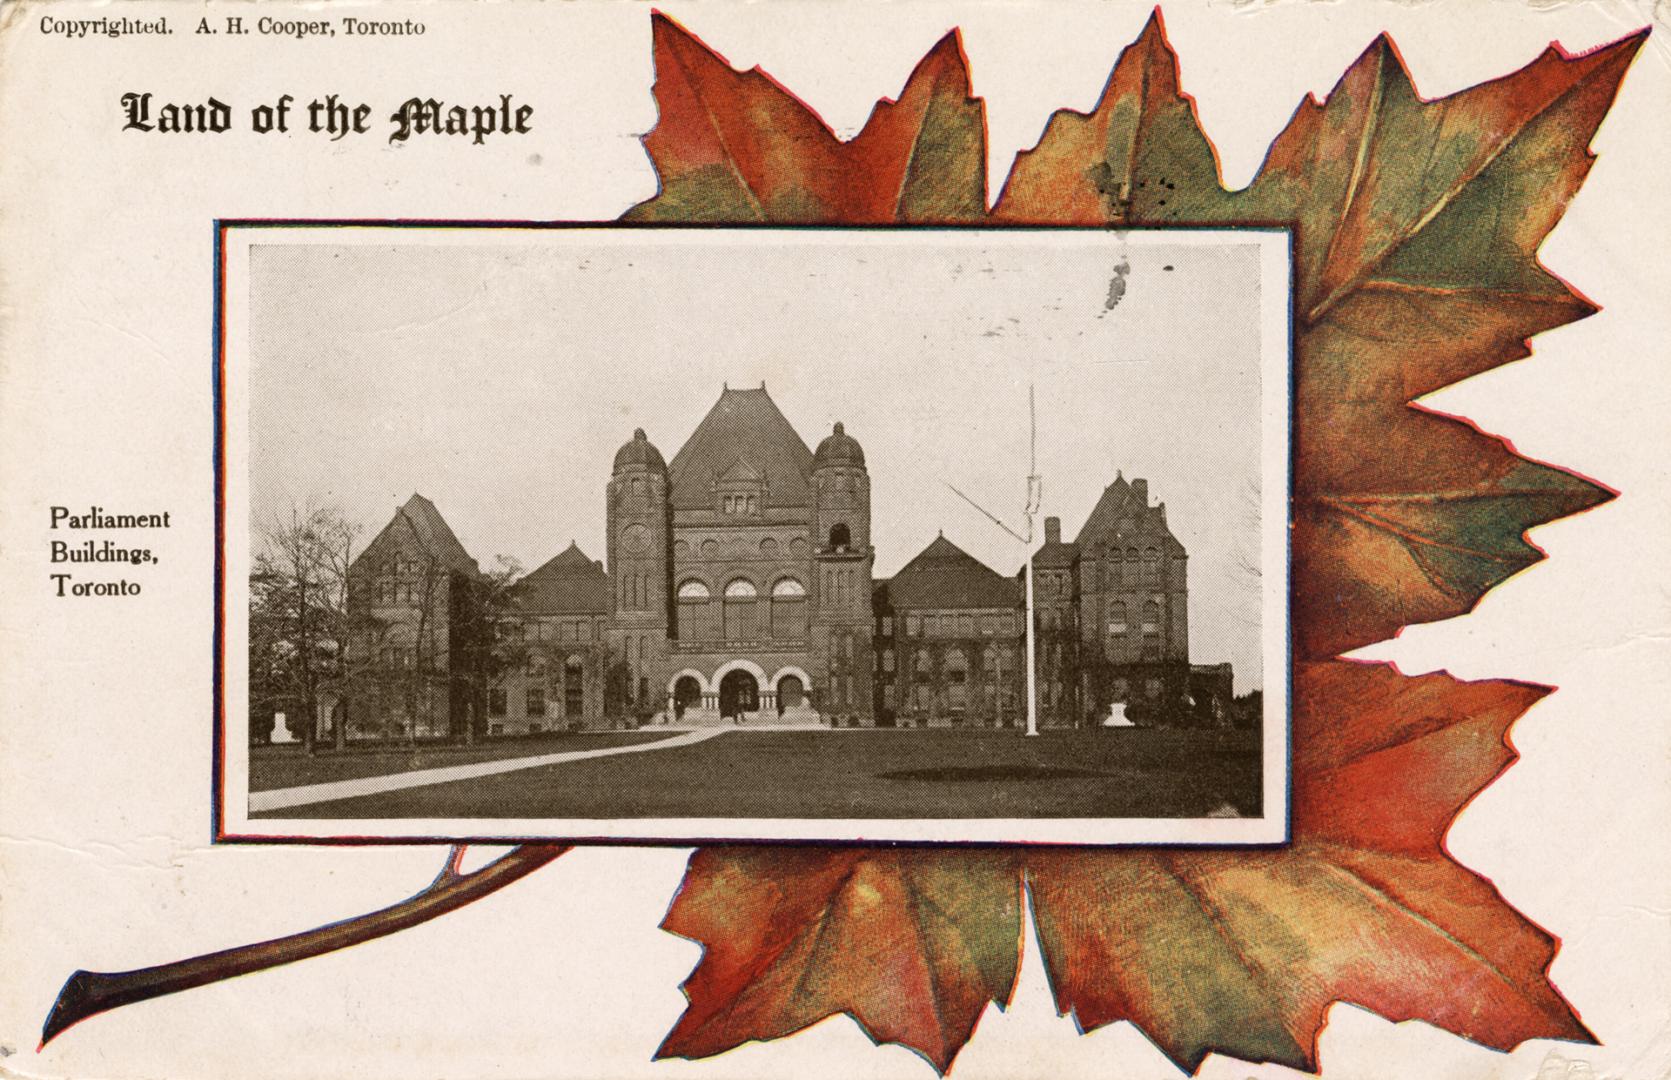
column 273, row 767
column 1130, row 772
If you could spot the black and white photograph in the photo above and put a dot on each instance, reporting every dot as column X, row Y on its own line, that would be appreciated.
column 781, row 534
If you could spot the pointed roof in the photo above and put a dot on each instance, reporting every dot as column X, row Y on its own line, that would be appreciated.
column 1121, row 514
column 746, row 426
column 944, row 575
column 1117, row 501
column 419, row 519
column 568, row 584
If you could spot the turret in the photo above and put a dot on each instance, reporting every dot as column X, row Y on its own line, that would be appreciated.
column 841, row 539
column 842, row 492
column 640, row 526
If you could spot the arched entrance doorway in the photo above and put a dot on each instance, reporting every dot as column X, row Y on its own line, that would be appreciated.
column 739, row 693
column 687, row 691
column 791, row 694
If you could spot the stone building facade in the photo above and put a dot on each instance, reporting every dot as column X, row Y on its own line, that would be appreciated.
column 418, row 634
column 1113, row 613
column 949, row 636
column 738, row 586
column 741, row 570
column 551, row 663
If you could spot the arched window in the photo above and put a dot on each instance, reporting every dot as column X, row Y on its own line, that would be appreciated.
column 742, row 622
column 768, row 548
column 697, row 621
column 841, row 538
column 1117, row 617
column 788, row 609
column 1151, row 566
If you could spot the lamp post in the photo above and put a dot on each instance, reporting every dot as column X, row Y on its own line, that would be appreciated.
column 1035, row 493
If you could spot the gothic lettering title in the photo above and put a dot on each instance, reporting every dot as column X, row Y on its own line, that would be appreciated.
column 330, row 116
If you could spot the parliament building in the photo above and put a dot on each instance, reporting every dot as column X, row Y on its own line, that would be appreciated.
column 738, row 586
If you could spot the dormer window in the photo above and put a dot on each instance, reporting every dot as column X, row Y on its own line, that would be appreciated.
column 740, row 491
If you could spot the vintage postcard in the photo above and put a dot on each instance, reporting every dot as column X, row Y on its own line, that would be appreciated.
column 731, row 540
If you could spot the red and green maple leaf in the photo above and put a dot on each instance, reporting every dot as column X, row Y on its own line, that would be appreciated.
column 1416, row 226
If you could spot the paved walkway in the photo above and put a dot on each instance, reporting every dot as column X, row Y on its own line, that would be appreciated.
column 283, row 798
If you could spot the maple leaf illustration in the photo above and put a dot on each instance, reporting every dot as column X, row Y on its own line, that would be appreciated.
column 1234, row 951
column 1416, row 227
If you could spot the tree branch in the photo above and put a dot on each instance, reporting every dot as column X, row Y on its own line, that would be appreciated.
column 88, row 993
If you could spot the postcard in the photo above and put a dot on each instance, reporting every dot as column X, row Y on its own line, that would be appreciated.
column 729, row 540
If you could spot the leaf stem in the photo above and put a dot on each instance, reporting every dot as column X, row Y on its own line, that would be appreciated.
column 88, row 993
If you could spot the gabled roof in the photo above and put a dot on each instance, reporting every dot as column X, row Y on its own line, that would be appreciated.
column 943, row 575
column 1122, row 515
column 743, row 426
column 420, row 521
column 569, row 584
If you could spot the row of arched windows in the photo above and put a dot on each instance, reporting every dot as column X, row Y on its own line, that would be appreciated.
column 740, row 588
column 740, row 615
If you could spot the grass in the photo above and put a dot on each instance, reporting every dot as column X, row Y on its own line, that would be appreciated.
column 274, row 767
column 1131, row 772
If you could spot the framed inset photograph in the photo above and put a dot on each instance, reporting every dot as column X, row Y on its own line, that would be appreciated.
column 679, row 534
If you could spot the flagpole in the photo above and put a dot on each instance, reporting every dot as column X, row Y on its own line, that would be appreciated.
column 1035, row 493
column 1032, row 650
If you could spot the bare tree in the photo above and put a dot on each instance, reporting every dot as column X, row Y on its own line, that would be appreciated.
column 298, row 608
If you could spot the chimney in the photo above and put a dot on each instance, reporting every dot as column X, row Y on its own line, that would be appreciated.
column 1140, row 488
column 1053, row 530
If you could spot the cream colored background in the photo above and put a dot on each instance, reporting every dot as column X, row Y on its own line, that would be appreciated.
column 104, row 398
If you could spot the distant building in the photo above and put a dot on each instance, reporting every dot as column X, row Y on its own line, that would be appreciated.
column 738, row 586
column 948, row 630
column 1113, row 609
column 419, row 637
column 552, row 661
